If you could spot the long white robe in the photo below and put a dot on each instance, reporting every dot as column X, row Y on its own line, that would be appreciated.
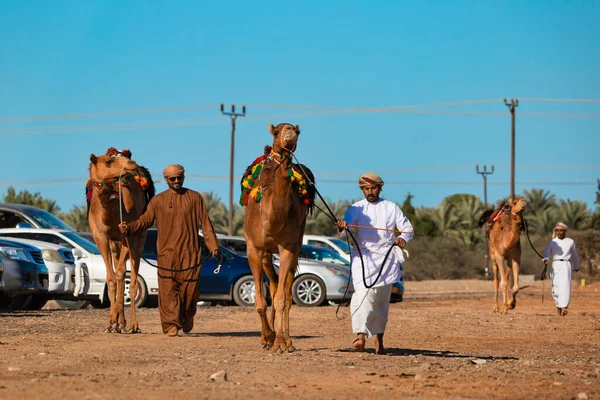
column 563, row 252
column 374, row 244
column 370, row 306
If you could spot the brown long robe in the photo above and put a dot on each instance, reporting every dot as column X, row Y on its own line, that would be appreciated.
column 178, row 217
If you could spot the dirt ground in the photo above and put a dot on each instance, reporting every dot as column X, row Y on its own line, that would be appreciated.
column 444, row 341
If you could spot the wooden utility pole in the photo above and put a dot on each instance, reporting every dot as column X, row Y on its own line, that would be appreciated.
column 484, row 174
column 233, row 116
column 511, row 107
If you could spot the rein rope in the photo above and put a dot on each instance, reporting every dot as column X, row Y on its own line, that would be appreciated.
column 332, row 216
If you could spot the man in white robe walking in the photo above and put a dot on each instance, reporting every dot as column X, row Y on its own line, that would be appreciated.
column 562, row 250
column 373, row 285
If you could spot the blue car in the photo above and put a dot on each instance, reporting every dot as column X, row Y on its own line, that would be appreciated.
column 233, row 282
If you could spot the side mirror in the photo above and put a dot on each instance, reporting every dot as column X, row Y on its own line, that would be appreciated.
column 77, row 253
column 23, row 225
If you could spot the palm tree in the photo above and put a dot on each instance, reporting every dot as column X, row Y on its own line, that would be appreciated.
column 543, row 222
column 77, row 218
column 217, row 212
column 445, row 219
column 574, row 213
column 469, row 210
column 539, row 200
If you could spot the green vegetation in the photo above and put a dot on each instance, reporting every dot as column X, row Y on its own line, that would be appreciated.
column 448, row 243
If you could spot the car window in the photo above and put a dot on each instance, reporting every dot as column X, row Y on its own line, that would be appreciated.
column 10, row 219
column 342, row 244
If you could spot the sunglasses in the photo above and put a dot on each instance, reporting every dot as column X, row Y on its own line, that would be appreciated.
column 176, row 178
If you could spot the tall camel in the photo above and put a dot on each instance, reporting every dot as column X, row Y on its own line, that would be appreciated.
column 505, row 244
column 118, row 189
column 274, row 223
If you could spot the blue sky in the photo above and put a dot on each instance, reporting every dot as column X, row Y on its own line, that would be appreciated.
column 83, row 65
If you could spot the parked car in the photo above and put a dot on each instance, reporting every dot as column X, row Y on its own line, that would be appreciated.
column 26, row 216
column 95, row 274
column 24, row 274
column 233, row 282
column 328, row 242
column 322, row 254
column 316, row 282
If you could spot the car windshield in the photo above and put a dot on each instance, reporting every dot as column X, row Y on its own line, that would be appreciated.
column 325, row 255
column 47, row 220
column 86, row 244
column 342, row 245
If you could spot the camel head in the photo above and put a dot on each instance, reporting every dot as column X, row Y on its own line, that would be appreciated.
column 111, row 165
column 285, row 137
column 517, row 206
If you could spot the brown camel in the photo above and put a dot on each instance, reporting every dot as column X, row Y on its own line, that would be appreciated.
column 274, row 223
column 505, row 244
column 118, row 190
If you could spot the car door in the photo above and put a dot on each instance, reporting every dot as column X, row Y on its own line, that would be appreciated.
column 211, row 283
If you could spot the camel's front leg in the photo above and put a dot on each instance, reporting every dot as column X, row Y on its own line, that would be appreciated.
column 273, row 281
column 133, row 286
column 515, row 288
column 495, row 268
column 121, row 271
column 255, row 258
column 289, row 282
column 504, row 278
column 279, row 302
column 104, row 247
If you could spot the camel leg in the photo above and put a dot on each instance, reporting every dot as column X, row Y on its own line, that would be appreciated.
column 504, row 278
column 105, row 250
column 135, row 256
column 255, row 258
column 288, row 305
column 286, row 261
column 121, row 270
column 270, row 271
column 495, row 268
column 515, row 288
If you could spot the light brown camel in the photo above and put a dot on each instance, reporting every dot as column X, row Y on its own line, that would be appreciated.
column 118, row 189
column 274, row 223
column 505, row 244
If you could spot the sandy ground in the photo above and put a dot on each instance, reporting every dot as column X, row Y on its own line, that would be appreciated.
column 444, row 341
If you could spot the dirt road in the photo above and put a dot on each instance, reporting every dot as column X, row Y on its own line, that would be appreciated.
column 443, row 342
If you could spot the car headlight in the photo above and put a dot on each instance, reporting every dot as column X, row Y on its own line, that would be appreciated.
column 16, row 253
column 52, row 256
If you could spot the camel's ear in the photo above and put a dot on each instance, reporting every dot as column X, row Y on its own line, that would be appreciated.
column 93, row 159
column 272, row 129
column 297, row 129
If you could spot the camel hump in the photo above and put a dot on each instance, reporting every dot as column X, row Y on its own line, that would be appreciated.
column 485, row 217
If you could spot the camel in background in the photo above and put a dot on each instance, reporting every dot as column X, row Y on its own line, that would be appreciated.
column 118, row 190
column 278, row 202
column 505, row 226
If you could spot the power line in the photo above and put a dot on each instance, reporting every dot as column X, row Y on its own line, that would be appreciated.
column 198, row 107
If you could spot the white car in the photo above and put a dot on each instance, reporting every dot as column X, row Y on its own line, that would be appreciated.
column 60, row 263
column 95, row 274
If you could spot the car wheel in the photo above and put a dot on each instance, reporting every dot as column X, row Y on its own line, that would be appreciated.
column 141, row 294
column 244, row 292
column 37, row 302
column 309, row 291
column 72, row 304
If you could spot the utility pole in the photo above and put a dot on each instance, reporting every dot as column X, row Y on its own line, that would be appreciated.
column 233, row 116
column 484, row 174
column 511, row 107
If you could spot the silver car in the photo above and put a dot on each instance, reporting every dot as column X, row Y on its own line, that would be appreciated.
column 316, row 282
